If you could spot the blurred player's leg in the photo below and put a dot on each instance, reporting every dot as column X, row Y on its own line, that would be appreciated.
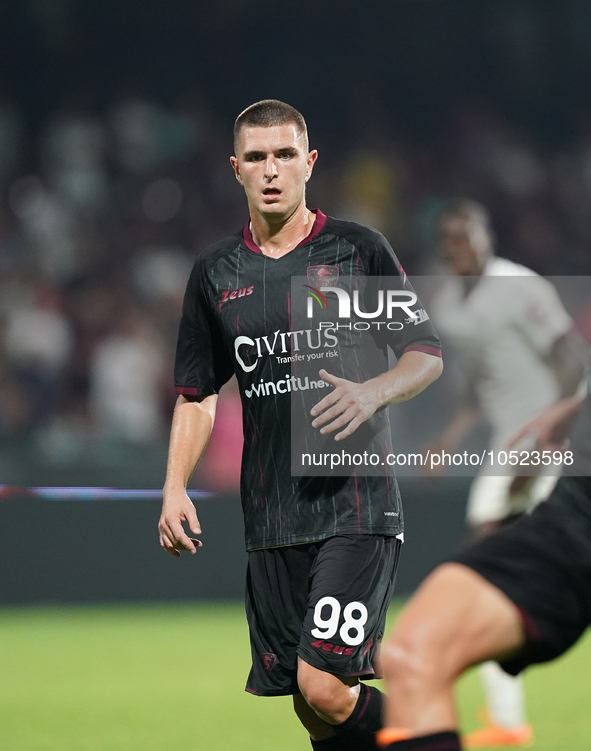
column 504, row 694
column 505, row 701
column 491, row 502
column 455, row 620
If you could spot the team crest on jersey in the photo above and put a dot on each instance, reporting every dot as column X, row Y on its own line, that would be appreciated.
column 269, row 661
column 323, row 276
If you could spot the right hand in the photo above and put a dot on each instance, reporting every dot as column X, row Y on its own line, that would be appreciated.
column 177, row 508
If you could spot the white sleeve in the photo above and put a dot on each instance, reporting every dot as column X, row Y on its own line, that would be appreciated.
column 543, row 318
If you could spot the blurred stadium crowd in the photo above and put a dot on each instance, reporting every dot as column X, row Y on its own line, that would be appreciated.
column 100, row 219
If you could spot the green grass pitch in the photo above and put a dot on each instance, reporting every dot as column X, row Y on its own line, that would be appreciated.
column 147, row 678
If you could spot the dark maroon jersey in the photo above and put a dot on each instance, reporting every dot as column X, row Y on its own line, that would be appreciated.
column 237, row 296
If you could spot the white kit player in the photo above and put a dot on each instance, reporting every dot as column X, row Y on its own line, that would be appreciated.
column 520, row 354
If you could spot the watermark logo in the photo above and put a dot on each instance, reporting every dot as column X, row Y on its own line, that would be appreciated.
column 315, row 294
column 386, row 302
column 421, row 315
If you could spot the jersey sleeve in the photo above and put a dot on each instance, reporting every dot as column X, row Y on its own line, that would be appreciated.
column 414, row 334
column 543, row 319
column 202, row 364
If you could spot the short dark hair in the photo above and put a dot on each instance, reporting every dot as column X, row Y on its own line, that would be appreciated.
column 266, row 114
column 467, row 208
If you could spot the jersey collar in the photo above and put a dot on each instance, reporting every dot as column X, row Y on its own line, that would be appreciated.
column 317, row 228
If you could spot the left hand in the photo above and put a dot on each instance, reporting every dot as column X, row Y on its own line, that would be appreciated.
column 347, row 406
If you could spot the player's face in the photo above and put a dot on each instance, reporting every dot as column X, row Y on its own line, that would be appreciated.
column 273, row 165
column 464, row 245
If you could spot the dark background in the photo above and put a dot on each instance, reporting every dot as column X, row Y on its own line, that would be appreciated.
column 406, row 65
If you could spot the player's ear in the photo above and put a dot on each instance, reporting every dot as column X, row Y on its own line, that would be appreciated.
column 310, row 162
column 236, row 168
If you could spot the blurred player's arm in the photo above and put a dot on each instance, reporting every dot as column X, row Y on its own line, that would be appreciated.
column 460, row 425
column 551, row 427
column 350, row 404
column 569, row 358
column 192, row 424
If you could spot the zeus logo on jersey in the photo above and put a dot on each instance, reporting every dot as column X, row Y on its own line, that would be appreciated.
column 394, row 299
column 337, row 649
column 232, row 294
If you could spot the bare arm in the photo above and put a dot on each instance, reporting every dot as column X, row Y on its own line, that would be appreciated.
column 551, row 427
column 569, row 357
column 192, row 424
column 350, row 404
column 453, row 434
column 461, row 424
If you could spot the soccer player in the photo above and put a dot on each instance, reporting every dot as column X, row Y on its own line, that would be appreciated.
column 323, row 551
column 520, row 355
column 520, row 596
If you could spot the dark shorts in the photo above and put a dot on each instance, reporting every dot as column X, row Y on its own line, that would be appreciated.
column 542, row 562
column 324, row 601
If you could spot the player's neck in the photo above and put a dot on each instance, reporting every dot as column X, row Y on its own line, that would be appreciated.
column 469, row 282
column 275, row 238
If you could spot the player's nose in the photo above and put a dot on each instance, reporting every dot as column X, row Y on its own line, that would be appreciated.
column 270, row 168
